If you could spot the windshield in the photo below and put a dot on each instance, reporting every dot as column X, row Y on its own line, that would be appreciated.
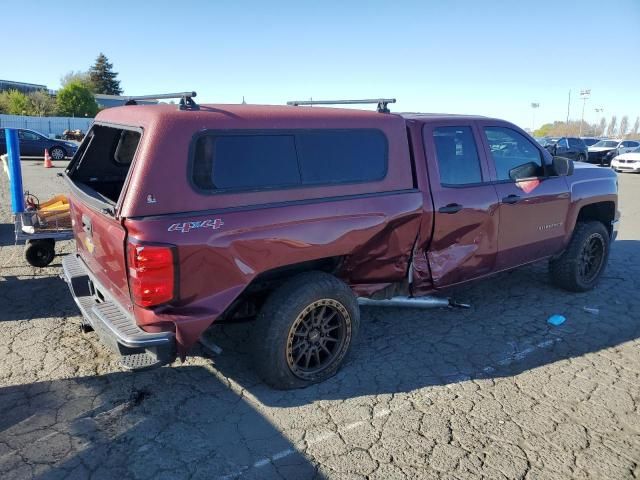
column 606, row 143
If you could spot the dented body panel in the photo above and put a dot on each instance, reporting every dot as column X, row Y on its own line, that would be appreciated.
column 373, row 235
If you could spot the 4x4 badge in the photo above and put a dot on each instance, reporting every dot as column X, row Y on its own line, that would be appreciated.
column 186, row 226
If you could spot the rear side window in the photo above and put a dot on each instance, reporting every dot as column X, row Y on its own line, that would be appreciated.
column 576, row 143
column 457, row 154
column 288, row 159
column 342, row 157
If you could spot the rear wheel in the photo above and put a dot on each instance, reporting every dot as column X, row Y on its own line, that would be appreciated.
column 304, row 330
column 579, row 268
column 581, row 158
column 39, row 253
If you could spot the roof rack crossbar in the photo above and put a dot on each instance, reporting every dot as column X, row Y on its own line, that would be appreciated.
column 186, row 99
column 382, row 102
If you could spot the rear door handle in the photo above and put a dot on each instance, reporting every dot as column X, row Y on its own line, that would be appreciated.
column 451, row 208
column 511, row 199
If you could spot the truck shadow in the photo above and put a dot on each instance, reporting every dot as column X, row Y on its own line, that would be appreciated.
column 7, row 234
column 28, row 298
column 504, row 333
column 168, row 423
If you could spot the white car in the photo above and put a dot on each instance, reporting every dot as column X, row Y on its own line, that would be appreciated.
column 627, row 162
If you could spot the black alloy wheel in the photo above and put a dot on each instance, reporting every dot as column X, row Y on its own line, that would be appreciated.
column 317, row 338
column 591, row 258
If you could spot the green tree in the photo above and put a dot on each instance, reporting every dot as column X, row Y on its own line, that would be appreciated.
column 624, row 126
column 103, row 77
column 77, row 77
column 14, row 102
column 40, row 104
column 76, row 100
column 543, row 131
column 611, row 129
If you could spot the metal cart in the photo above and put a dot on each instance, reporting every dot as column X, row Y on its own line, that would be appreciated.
column 40, row 236
column 38, row 229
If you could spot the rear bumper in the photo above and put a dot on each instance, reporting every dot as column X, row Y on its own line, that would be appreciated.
column 115, row 327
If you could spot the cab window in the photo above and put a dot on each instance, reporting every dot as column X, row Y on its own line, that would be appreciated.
column 514, row 156
column 458, row 160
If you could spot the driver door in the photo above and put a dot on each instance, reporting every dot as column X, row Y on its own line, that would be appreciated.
column 532, row 206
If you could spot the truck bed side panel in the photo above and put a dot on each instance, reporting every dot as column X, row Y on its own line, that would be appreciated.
column 373, row 233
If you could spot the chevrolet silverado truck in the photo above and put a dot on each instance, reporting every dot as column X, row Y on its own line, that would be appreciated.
column 289, row 215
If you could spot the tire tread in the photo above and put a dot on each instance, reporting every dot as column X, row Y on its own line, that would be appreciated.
column 563, row 270
column 275, row 318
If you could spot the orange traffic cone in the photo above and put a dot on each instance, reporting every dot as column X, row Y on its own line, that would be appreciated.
column 47, row 159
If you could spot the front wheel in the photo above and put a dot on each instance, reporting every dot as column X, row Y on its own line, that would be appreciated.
column 581, row 265
column 305, row 330
column 57, row 153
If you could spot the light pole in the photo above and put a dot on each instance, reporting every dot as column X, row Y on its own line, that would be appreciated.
column 584, row 94
column 534, row 105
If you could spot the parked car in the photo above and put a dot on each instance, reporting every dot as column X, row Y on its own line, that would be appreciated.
column 287, row 215
column 603, row 152
column 627, row 162
column 569, row 147
column 588, row 141
column 627, row 146
column 33, row 144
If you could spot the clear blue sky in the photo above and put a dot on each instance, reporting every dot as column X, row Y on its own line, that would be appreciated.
column 484, row 57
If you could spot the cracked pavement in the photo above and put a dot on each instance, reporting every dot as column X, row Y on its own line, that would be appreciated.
column 489, row 392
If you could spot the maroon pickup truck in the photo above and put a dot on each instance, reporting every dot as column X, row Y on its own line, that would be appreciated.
column 291, row 215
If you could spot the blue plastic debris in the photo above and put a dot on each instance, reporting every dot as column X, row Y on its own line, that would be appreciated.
column 556, row 320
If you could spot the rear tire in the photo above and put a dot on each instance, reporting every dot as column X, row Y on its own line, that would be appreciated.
column 39, row 253
column 581, row 265
column 580, row 158
column 305, row 330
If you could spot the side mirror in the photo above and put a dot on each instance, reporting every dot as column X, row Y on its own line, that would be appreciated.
column 562, row 166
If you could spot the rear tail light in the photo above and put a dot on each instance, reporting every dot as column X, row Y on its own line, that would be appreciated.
column 152, row 273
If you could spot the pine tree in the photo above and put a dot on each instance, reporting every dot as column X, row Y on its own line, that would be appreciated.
column 103, row 78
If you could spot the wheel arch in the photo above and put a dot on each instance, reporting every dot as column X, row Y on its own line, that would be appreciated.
column 253, row 296
column 603, row 212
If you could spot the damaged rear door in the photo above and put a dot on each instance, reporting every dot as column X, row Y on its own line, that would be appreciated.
column 465, row 233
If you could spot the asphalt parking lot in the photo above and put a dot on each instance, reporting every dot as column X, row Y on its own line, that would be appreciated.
column 493, row 391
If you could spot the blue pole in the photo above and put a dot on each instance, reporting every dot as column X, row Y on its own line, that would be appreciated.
column 15, row 171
